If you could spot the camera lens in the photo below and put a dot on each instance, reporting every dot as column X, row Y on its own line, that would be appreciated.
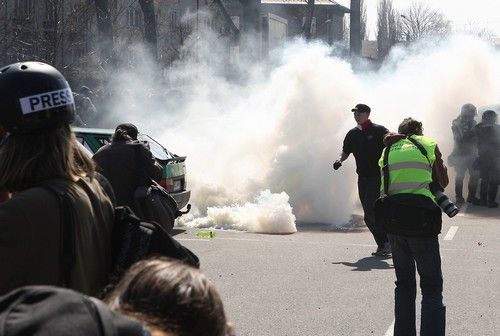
column 445, row 204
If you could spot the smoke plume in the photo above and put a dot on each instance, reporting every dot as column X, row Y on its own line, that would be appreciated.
column 260, row 142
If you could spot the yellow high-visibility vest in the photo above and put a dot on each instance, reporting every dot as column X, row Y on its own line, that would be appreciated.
column 410, row 172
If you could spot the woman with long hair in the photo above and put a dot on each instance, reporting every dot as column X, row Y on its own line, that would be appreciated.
column 56, row 227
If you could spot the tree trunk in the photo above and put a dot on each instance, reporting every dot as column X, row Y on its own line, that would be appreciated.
column 148, row 12
column 309, row 16
column 105, row 31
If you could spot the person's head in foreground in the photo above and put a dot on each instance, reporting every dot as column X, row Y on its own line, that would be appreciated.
column 171, row 299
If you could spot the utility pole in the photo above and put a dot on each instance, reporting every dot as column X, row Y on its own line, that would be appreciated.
column 309, row 15
column 355, row 28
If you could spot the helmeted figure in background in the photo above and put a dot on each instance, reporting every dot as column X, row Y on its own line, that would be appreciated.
column 411, row 162
column 365, row 142
column 488, row 145
column 39, row 244
column 86, row 112
column 464, row 153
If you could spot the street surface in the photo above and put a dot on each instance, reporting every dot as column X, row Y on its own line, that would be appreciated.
column 323, row 281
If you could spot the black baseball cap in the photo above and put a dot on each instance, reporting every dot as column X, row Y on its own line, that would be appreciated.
column 361, row 108
column 131, row 130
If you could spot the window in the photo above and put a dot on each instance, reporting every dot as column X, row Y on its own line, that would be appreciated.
column 313, row 25
column 24, row 9
column 134, row 17
column 236, row 21
column 173, row 19
column 49, row 11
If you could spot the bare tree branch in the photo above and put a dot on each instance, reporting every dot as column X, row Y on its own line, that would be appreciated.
column 364, row 17
column 388, row 30
column 421, row 21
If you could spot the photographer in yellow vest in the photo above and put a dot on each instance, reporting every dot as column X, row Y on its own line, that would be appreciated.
column 412, row 171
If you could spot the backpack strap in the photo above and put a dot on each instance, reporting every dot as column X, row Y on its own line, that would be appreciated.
column 420, row 148
column 67, row 254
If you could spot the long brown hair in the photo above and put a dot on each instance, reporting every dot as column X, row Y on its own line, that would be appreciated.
column 28, row 159
column 171, row 296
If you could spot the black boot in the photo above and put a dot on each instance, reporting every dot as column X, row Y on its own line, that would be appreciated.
column 492, row 194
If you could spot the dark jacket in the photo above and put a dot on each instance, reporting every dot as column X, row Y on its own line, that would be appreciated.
column 464, row 137
column 488, row 140
column 127, row 165
column 30, row 238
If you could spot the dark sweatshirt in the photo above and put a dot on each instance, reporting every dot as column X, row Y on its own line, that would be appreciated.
column 366, row 145
column 127, row 165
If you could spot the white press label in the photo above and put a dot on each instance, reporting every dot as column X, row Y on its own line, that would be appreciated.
column 46, row 100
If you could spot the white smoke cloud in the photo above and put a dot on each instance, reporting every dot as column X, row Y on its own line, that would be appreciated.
column 270, row 213
column 260, row 141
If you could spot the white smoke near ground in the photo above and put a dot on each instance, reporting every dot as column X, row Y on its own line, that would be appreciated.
column 269, row 213
column 260, row 146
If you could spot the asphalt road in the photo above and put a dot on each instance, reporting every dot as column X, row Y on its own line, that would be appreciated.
column 323, row 281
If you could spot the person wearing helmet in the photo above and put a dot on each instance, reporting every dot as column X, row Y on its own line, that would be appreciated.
column 56, row 227
column 488, row 145
column 464, row 153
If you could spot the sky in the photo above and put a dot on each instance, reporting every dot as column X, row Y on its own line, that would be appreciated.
column 484, row 13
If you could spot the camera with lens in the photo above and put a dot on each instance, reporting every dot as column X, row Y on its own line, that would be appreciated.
column 442, row 200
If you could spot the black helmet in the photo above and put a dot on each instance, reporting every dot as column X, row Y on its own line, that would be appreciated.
column 34, row 96
column 468, row 110
column 489, row 115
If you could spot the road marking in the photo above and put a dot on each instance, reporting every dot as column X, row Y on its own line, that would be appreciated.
column 390, row 331
column 451, row 233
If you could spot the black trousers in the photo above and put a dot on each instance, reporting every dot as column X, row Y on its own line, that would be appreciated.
column 369, row 191
column 490, row 173
column 424, row 253
column 464, row 165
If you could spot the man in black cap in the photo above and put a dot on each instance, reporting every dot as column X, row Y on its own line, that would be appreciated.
column 127, row 163
column 365, row 142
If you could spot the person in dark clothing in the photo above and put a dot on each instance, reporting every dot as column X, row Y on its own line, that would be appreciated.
column 39, row 154
column 127, row 164
column 365, row 142
column 464, row 153
column 488, row 145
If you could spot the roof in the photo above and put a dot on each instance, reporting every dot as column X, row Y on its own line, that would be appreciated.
column 304, row 2
column 103, row 131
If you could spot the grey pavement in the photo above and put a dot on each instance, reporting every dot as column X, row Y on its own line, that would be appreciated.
column 323, row 281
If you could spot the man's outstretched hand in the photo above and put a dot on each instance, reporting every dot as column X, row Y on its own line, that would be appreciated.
column 337, row 164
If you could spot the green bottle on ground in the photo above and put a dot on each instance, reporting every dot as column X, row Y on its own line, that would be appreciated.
column 205, row 234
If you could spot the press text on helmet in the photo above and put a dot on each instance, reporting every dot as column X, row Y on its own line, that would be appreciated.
column 46, row 100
